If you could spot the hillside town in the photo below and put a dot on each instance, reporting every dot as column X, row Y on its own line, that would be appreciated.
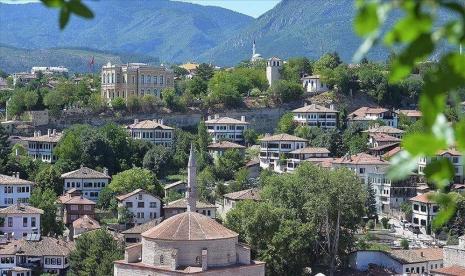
column 273, row 166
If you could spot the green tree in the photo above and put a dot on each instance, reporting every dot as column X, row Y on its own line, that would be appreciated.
column 118, row 103
column 197, row 86
column 295, row 68
column 250, row 136
column 228, row 164
column 45, row 199
column 124, row 215
column 159, row 161
column 96, row 103
column 49, row 177
column 204, row 71
column 283, row 91
column 4, row 146
column 30, row 99
column 327, row 61
column 94, row 254
column 286, row 124
column 206, row 183
column 370, row 203
column 107, row 199
column 149, row 103
column 404, row 243
column 133, row 104
column 136, row 178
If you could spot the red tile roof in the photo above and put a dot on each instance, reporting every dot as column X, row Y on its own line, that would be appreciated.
column 454, row 270
column 424, row 198
column 225, row 145
column 282, row 137
column 252, row 194
column 361, row 159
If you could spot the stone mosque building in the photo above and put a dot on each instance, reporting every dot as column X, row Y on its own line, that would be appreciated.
column 189, row 243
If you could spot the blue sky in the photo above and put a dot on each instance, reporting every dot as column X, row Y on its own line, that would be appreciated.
column 253, row 8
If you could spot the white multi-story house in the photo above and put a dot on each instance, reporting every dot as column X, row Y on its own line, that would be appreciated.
column 41, row 146
column 313, row 84
column 367, row 114
column 46, row 254
column 311, row 154
column 225, row 128
column 19, row 220
column 455, row 158
column 362, row 164
column 153, row 131
column 89, row 182
column 218, row 149
column 380, row 139
column 424, row 210
column 231, row 199
column 142, row 205
column 316, row 115
column 274, row 150
column 390, row 194
column 14, row 189
column 387, row 130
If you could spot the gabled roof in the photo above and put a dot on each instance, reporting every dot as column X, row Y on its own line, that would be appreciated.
column 363, row 111
column 182, row 204
column 78, row 200
column 21, row 209
column 384, row 147
column 381, row 137
column 451, row 151
column 46, row 246
column 384, row 129
column 252, row 194
column 361, row 159
column 314, row 108
column 311, row 150
column 282, row 137
column 143, row 227
column 454, row 270
column 174, row 184
column 423, row 198
column 86, row 222
column 411, row 113
column 225, row 145
column 52, row 138
column 10, row 180
column 149, row 124
column 85, row 172
column 189, row 226
column 135, row 192
column 417, row 255
column 392, row 152
column 226, row 120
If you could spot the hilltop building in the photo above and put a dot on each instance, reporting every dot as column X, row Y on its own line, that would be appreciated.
column 314, row 115
column 362, row 164
column 73, row 206
column 231, row 199
column 50, row 70
column 314, row 85
column 188, row 243
column 367, row 114
column 275, row 149
column 255, row 56
column 455, row 158
column 309, row 154
column 273, row 68
column 153, row 131
column 89, row 182
column 134, row 79
column 41, row 146
column 218, row 149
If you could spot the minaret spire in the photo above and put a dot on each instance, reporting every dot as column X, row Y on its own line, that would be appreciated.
column 253, row 48
column 191, row 193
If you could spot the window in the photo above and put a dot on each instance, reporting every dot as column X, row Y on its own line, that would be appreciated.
column 153, row 205
column 197, row 260
column 415, row 207
column 140, row 196
column 423, row 208
column 162, row 261
column 58, row 261
column 33, row 222
column 140, row 204
column 128, row 204
column 87, row 208
column 25, row 222
column 10, row 222
column 74, row 207
column 362, row 170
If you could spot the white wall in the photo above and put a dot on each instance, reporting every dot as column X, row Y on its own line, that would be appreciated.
column 17, row 227
column 146, row 210
column 18, row 192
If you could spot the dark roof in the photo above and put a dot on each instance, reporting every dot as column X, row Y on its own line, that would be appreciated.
column 85, row 172
column 138, row 229
column 282, row 137
column 20, row 209
column 252, row 194
column 11, row 180
column 189, row 226
column 225, row 145
column 46, row 246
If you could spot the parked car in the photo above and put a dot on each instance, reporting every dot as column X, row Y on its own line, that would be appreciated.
column 414, row 228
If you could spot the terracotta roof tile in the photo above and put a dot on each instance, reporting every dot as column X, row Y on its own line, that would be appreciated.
column 135, row 192
column 361, row 159
column 21, row 209
column 410, row 113
column 384, row 129
column 381, row 137
column 363, row 111
column 52, row 138
column 69, row 199
column 454, row 270
column 182, row 203
column 10, row 180
column 282, row 137
column 86, row 222
column 46, row 246
column 424, row 198
column 417, row 255
column 226, row 120
column 314, row 108
column 225, row 145
column 149, row 124
column 310, row 150
column 143, row 227
column 189, row 226
column 174, row 184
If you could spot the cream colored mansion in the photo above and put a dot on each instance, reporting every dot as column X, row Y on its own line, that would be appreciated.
column 136, row 79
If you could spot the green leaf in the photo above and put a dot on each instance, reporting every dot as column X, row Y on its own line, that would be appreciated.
column 64, row 16
column 366, row 20
column 446, row 211
column 53, row 3
column 409, row 28
column 422, row 144
column 80, row 9
column 460, row 135
column 440, row 171
column 402, row 164
column 442, row 130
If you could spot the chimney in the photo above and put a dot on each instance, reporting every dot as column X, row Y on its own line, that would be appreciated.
column 217, row 116
column 35, row 133
column 16, row 248
column 136, row 121
column 243, row 118
column 305, row 104
column 161, row 121
column 105, row 171
column 49, row 132
column 422, row 254
column 209, row 117
column 54, row 132
column 39, row 133
column 17, row 204
column 331, row 106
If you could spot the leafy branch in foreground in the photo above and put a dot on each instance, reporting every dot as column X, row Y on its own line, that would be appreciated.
column 67, row 7
column 418, row 35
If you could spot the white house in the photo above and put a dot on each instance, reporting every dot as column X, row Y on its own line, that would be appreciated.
column 387, row 130
column 316, row 115
column 367, row 114
column 391, row 194
column 41, row 146
column 274, row 150
column 424, row 210
column 89, row 182
column 381, row 139
column 14, row 189
column 455, row 158
column 19, row 220
column 311, row 154
column 314, row 84
column 84, row 224
column 225, row 128
column 231, row 199
column 142, row 205
column 218, row 149
column 399, row 262
column 44, row 253
column 362, row 164
column 153, row 131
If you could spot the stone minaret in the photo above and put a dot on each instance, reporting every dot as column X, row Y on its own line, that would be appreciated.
column 191, row 193
column 253, row 49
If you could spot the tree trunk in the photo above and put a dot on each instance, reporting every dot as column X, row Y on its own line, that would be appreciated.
column 335, row 246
